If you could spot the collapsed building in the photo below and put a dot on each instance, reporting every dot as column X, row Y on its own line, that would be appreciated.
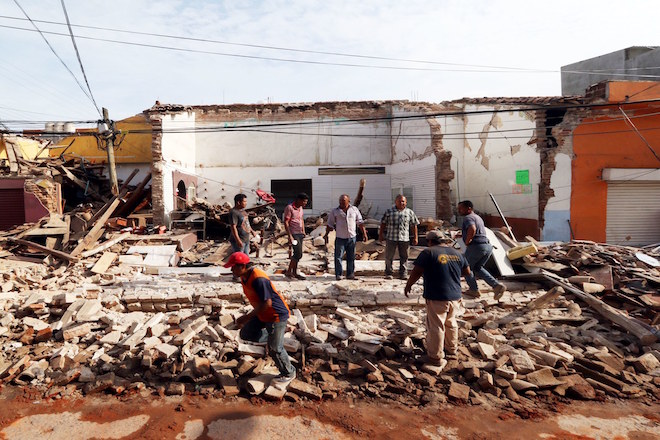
column 560, row 168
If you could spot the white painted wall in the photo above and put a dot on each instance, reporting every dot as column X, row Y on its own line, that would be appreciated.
column 297, row 145
column 420, row 176
column 492, row 168
column 558, row 210
column 411, row 141
column 125, row 169
column 178, row 150
column 220, row 184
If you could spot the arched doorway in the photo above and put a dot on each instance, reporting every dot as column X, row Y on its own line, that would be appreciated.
column 181, row 195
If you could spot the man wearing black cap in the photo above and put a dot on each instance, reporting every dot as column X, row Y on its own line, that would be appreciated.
column 267, row 320
column 442, row 267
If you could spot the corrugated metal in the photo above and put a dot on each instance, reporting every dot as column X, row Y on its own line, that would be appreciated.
column 633, row 213
column 13, row 208
column 423, row 183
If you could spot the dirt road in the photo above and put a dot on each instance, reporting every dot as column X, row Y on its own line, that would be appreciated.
column 147, row 416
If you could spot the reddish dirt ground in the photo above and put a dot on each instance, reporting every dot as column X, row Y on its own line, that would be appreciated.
column 366, row 420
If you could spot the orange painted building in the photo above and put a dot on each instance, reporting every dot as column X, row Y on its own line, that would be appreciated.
column 615, row 175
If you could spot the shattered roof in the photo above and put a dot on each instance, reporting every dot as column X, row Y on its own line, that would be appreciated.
column 523, row 100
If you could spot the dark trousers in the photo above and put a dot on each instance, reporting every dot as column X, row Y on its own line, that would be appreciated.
column 345, row 245
column 391, row 247
column 477, row 254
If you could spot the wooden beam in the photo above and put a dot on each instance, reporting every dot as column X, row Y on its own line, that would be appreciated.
column 44, row 249
column 645, row 335
column 81, row 184
column 92, row 235
column 106, row 245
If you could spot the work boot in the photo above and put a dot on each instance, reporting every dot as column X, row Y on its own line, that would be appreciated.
column 499, row 291
column 472, row 293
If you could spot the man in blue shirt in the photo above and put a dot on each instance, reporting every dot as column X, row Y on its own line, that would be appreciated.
column 345, row 219
column 442, row 267
column 478, row 251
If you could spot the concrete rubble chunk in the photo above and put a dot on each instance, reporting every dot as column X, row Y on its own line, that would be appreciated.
column 167, row 350
column 521, row 385
column 305, row 390
column 36, row 324
column 347, row 314
column 646, row 363
column 252, row 350
column 76, row 331
column 521, row 361
column 459, row 391
column 542, row 378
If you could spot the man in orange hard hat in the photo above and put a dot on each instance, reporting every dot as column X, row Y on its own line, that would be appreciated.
column 267, row 321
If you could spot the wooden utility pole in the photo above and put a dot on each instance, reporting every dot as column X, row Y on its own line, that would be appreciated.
column 109, row 137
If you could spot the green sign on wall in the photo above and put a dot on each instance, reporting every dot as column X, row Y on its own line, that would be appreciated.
column 522, row 177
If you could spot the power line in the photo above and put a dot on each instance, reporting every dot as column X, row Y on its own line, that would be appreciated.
column 75, row 47
column 36, row 29
column 322, row 63
column 320, row 52
column 287, row 49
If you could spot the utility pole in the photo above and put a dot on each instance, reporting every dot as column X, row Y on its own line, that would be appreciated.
column 107, row 130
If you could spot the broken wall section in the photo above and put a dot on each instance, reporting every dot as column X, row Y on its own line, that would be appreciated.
column 490, row 150
column 413, row 166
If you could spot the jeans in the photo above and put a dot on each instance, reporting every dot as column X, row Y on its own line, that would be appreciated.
column 273, row 332
column 390, row 248
column 477, row 255
column 236, row 248
column 345, row 245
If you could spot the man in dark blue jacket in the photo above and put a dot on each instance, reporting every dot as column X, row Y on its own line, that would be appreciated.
column 442, row 267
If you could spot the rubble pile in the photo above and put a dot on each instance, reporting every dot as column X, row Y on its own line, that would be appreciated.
column 623, row 276
column 127, row 326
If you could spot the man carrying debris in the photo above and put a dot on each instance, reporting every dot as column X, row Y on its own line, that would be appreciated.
column 344, row 219
column 478, row 251
column 295, row 228
column 395, row 228
column 240, row 225
column 267, row 321
column 442, row 267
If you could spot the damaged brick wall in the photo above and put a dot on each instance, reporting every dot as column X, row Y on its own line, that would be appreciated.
column 157, row 203
column 47, row 192
column 443, row 172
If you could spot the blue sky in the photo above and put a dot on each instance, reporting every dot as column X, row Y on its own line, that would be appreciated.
column 128, row 79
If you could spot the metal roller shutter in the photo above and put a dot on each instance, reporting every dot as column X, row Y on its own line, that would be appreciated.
column 633, row 213
column 12, row 208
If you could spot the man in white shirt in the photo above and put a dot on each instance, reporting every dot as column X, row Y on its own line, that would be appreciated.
column 345, row 219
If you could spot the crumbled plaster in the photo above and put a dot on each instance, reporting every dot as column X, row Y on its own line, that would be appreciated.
column 496, row 123
column 560, row 141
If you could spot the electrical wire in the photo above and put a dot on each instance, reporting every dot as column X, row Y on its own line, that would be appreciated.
column 82, row 68
column 287, row 49
column 313, row 62
column 36, row 29
column 319, row 52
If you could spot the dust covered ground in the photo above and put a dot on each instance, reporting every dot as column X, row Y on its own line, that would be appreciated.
column 25, row 415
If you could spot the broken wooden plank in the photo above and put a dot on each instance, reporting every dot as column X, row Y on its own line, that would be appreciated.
column 104, row 262
column 81, row 184
column 90, row 237
column 646, row 336
column 44, row 249
column 106, row 245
